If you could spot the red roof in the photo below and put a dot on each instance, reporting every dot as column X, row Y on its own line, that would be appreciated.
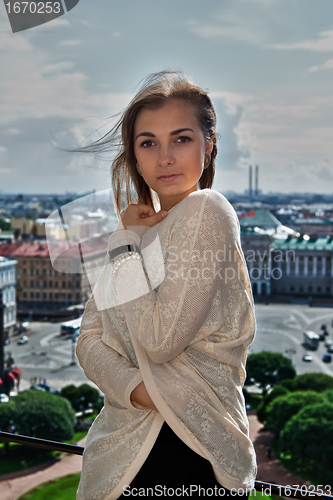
column 24, row 250
column 95, row 246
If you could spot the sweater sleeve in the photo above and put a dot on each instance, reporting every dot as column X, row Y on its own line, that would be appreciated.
column 201, row 267
column 113, row 374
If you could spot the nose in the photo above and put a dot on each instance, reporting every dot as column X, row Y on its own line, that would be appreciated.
column 166, row 156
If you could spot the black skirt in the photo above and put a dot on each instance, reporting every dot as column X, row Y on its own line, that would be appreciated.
column 172, row 469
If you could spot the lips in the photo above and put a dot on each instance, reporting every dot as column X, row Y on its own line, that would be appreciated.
column 169, row 177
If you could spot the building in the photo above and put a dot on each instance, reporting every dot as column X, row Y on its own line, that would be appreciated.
column 304, row 266
column 43, row 287
column 256, row 245
column 259, row 217
column 8, row 287
column 258, row 229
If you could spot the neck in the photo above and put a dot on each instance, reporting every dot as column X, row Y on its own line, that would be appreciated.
column 168, row 202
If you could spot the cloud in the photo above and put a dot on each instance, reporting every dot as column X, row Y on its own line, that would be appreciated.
column 17, row 43
column 216, row 32
column 69, row 43
column 287, row 137
column 237, row 20
column 33, row 156
column 325, row 172
column 12, row 131
column 235, row 143
column 321, row 67
column 55, row 23
column 59, row 67
column 322, row 44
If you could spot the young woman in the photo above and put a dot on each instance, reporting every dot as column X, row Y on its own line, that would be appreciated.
column 166, row 331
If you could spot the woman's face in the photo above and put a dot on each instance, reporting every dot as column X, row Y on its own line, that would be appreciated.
column 170, row 148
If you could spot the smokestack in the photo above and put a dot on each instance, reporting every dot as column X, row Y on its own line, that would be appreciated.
column 250, row 181
column 256, row 180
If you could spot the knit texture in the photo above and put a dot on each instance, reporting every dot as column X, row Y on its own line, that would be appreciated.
column 186, row 338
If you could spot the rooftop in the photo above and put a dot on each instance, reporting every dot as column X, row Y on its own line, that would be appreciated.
column 259, row 217
column 305, row 242
column 90, row 248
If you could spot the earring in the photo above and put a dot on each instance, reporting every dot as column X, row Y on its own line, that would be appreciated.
column 138, row 168
column 207, row 160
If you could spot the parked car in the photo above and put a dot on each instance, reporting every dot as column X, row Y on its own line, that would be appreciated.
column 48, row 388
column 328, row 343
column 23, row 340
column 74, row 335
column 307, row 357
column 330, row 348
column 37, row 388
column 322, row 336
column 327, row 358
column 323, row 327
column 4, row 398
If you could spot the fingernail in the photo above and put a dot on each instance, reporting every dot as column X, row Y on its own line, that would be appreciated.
column 164, row 214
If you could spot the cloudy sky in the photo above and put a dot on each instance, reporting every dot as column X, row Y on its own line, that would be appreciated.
column 268, row 65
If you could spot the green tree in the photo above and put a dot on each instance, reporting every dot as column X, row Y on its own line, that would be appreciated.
column 268, row 369
column 43, row 415
column 309, row 382
column 278, row 390
column 281, row 409
column 70, row 392
column 6, row 415
column 329, row 395
column 90, row 395
column 308, row 437
column 82, row 397
column 5, row 226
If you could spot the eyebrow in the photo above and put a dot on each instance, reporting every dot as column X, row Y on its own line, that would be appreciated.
column 175, row 132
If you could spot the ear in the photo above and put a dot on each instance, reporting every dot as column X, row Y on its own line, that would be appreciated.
column 209, row 146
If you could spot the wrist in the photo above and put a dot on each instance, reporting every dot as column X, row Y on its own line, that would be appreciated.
column 139, row 230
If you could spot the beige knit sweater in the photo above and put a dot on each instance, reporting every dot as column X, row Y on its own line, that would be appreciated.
column 186, row 338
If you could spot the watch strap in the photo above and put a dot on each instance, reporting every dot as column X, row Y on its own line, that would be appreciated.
column 123, row 249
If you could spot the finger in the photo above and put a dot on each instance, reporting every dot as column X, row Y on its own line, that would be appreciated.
column 145, row 210
column 154, row 219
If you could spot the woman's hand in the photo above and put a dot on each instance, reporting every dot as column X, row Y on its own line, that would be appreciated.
column 141, row 396
column 139, row 217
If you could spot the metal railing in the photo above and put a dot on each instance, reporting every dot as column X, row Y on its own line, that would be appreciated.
column 287, row 491
column 42, row 443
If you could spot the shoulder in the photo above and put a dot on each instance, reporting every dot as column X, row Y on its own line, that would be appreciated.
column 214, row 205
column 217, row 201
column 210, row 198
column 208, row 209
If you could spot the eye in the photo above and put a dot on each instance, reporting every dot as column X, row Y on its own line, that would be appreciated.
column 183, row 139
column 146, row 144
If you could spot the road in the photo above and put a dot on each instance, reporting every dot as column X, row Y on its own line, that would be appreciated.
column 280, row 328
column 47, row 355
